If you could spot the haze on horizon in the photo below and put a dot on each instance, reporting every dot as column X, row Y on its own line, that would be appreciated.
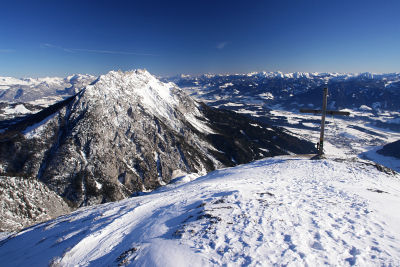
column 58, row 38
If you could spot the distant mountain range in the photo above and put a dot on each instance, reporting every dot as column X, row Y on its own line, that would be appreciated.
column 376, row 92
column 294, row 90
column 31, row 89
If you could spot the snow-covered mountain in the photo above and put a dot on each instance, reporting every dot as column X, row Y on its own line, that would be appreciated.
column 274, row 212
column 128, row 132
column 31, row 89
column 30, row 95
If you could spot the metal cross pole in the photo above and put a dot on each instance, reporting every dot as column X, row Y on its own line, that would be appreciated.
column 320, row 144
column 321, row 136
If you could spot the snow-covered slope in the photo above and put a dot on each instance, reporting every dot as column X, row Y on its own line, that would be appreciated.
column 275, row 211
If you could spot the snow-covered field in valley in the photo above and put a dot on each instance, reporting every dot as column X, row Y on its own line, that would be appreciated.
column 345, row 137
column 272, row 212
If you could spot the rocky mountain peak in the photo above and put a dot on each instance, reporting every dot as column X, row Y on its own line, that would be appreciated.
column 117, row 95
column 138, row 86
column 128, row 132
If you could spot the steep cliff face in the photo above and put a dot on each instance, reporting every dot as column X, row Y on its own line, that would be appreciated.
column 129, row 132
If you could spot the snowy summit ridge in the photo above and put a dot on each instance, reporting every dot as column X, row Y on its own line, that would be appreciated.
column 279, row 211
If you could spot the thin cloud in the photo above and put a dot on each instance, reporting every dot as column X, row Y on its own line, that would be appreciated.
column 56, row 47
column 74, row 50
column 111, row 52
column 222, row 45
column 7, row 50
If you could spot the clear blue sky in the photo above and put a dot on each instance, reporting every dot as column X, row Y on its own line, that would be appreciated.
column 61, row 37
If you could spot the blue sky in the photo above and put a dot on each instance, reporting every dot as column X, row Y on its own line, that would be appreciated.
column 57, row 38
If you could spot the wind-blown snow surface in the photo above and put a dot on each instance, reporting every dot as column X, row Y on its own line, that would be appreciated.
column 275, row 211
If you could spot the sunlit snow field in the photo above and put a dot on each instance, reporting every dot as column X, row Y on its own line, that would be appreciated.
column 278, row 211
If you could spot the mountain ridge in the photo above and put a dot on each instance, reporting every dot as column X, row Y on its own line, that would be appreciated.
column 128, row 132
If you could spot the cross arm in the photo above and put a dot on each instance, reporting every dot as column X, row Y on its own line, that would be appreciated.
column 329, row 112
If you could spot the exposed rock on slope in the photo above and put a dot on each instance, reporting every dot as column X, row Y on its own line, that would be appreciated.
column 129, row 132
column 27, row 201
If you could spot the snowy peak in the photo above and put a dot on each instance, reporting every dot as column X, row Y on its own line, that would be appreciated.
column 119, row 93
column 137, row 85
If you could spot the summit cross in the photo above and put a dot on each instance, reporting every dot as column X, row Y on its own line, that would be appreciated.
column 320, row 144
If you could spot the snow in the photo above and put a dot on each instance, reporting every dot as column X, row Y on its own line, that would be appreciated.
column 393, row 120
column 4, row 235
column 345, row 137
column 18, row 109
column 155, row 95
column 390, row 162
column 14, row 81
column 267, row 96
column 98, row 185
column 364, row 107
column 326, row 76
column 278, row 211
column 157, row 98
column 348, row 135
column 36, row 129
column 312, row 125
column 226, row 85
column 46, row 101
column 199, row 125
